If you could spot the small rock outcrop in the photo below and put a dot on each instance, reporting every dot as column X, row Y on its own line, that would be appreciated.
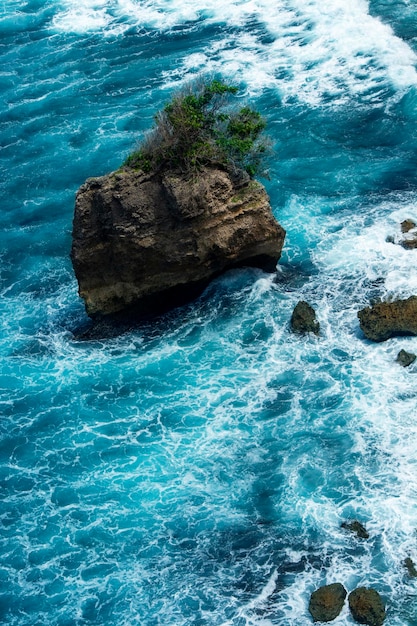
column 357, row 528
column 327, row 602
column 303, row 319
column 408, row 228
column 407, row 225
column 411, row 568
column 389, row 319
column 148, row 242
column 408, row 237
column 366, row 606
column 405, row 358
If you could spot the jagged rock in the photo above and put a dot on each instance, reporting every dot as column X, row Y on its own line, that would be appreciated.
column 147, row 242
column 411, row 568
column 405, row 358
column 366, row 606
column 327, row 602
column 357, row 528
column 303, row 319
column 389, row 319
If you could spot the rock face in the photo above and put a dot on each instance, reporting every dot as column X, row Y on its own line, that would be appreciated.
column 303, row 319
column 146, row 242
column 366, row 606
column 327, row 602
column 388, row 319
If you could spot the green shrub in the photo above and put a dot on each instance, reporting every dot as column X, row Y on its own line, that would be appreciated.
column 199, row 127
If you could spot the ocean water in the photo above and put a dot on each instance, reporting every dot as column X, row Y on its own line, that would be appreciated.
column 196, row 470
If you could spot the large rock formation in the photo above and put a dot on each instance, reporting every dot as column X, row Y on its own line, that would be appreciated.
column 388, row 319
column 146, row 242
column 327, row 602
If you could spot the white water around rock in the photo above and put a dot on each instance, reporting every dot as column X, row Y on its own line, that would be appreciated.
column 196, row 470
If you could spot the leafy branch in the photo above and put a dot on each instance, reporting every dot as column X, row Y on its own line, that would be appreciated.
column 199, row 127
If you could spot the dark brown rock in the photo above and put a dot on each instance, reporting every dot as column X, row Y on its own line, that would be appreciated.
column 303, row 319
column 148, row 241
column 411, row 568
column 366, row 606
column 405, row 358
column 327, row 602
column 357, row 528
column 389, row 319
column 407, row 225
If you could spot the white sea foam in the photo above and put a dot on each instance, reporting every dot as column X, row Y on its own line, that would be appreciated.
column 318, row 53
column 159, row 468
column 370, row 248
column 82, row 17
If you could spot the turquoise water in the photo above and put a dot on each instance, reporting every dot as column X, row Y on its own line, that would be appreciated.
column 196, row 470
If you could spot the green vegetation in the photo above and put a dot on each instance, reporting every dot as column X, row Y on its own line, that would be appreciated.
column 199, row 127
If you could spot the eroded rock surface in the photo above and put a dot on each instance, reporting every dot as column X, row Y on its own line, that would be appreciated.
column 366, row 606
column 405, row 358
column 388, row 319
column 327, row 602
column 149, row 241
column 303, row 319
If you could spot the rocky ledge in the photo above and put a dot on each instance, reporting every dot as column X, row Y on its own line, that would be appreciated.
column 143, row 243
column 389, row 319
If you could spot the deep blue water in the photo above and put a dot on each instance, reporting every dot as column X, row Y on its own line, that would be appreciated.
column 195, row 471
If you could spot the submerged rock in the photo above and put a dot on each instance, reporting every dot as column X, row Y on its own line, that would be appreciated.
column 303, row 319
column 389, row 319
column 411, row 568
column 147, row 242
column 366, row 606
column 327, row 602
column 405, row 358
column 357, row 528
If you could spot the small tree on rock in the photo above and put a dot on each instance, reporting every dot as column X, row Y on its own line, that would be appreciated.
column 199, row 127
